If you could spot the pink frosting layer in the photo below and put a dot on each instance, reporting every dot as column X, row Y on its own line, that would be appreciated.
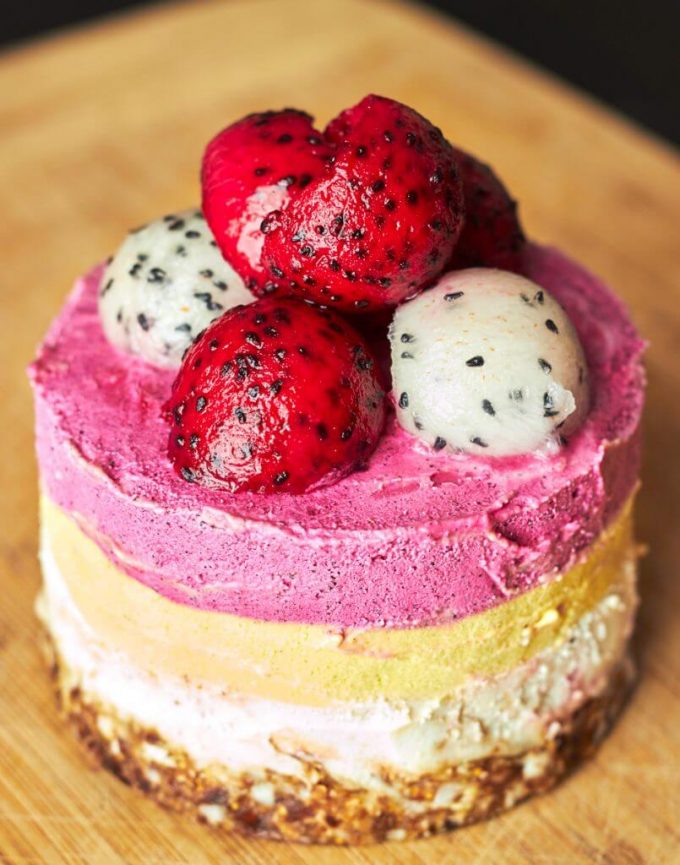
column 418, row 538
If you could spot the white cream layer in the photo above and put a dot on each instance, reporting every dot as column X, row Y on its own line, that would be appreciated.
column 353, row 742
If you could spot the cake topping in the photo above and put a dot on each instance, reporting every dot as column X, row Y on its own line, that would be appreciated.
column 359, row 217
column 276, row 396
column 380, row 222
column 493, row 367
column 165, row 284
column 492, row 235
column 253, row 167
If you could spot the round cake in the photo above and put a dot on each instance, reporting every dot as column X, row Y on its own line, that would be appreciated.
column 407, row 646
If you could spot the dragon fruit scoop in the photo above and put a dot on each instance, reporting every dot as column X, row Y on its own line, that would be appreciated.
column 487, row 362
column 380, row 222
column 492, row 235
column 275, row 397
column 251, row 168
column 165, row 285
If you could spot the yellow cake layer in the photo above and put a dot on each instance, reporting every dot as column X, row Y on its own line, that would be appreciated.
column 317, row 664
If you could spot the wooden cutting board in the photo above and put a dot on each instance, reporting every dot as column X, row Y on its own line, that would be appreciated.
column 102, row 129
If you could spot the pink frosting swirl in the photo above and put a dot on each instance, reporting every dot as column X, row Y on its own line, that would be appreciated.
column 418, row 538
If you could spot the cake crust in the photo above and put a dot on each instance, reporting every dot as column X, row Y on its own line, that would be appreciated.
column 316, row 808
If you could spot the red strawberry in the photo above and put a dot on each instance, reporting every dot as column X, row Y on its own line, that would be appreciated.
column 492, row 235
column 253, row 167
column 382, row 220
column 275, row 396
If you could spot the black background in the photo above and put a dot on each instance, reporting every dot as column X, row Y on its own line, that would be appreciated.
column 624, row 52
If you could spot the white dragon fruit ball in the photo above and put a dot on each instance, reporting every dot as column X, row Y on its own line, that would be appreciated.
column 165, row 285
column 487, row 362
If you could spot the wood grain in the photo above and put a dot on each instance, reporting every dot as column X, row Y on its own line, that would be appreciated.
column 102, row 129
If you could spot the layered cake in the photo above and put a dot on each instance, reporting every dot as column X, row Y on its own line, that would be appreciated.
column 337, row 479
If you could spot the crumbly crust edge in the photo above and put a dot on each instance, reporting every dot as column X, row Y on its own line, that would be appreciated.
column 317, row 808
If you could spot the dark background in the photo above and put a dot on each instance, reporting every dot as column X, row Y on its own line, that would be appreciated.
column 625, row 53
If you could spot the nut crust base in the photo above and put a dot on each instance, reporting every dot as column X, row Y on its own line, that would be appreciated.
column 317, row 808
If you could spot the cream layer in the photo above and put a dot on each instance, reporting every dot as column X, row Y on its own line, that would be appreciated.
column 319, row 664
column 356, row 742
column 419, row 539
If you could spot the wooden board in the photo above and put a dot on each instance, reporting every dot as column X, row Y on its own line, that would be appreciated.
column 102, row 129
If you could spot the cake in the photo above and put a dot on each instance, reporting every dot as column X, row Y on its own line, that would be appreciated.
column 396, row 635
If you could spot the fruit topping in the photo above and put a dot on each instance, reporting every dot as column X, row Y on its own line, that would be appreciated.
column 165, row 284
column 252, row 167
column 492, row 235
column 487, row 362
column 276, row 396
column 382, row 219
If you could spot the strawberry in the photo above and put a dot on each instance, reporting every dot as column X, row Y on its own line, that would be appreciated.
column 492, row 235
column 275, row 396
column 253, row 167
column 380, row 222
